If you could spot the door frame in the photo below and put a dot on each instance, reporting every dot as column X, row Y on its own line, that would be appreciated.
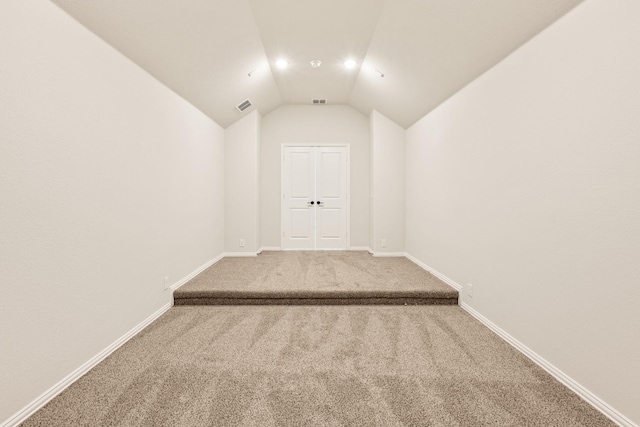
column 282, row 154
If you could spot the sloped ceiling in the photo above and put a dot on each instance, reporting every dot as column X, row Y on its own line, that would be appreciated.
column 427, row 49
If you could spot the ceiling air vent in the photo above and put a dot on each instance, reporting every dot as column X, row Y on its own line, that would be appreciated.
column 319, row 101
column 243, row 105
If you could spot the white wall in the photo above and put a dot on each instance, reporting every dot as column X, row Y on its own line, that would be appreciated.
column 258, row 207
column 308, row 125
column 527, row 184
column 241, row 171
column 372, row 214
column 387, row 185
column 108, row 182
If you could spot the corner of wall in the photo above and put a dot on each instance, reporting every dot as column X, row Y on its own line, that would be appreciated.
column 242, row 185
column 387, row 212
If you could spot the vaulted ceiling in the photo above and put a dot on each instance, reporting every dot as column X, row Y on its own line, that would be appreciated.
column 217, row 53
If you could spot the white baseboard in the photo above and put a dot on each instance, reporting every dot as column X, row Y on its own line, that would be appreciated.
column 194, row 273
column 439, row 275
column 269, row 248
column 360, row 248
column 58, row 388
column 573, row 385
column 239, row 254
column 389, row 254
column 570, row 383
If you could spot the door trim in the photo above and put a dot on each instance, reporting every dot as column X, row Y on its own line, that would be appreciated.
column 282, row 154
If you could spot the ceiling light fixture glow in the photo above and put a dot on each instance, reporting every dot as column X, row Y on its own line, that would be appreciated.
column 282, row 63
column 315, row 63
column 350, row 64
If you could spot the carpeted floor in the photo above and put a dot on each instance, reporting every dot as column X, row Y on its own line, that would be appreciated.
column 317, row 366
column 323, row 277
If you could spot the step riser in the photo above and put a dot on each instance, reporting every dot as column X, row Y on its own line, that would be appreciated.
column 316, row 301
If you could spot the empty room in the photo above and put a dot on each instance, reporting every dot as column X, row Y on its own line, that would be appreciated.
column 300, row 212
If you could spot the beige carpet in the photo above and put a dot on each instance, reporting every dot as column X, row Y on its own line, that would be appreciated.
column 305, row 277
column 317, row 366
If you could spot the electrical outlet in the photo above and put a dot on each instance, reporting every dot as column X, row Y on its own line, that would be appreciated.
column 242, row 243
column 469, row 290
column 166, row 282
column 383, row 243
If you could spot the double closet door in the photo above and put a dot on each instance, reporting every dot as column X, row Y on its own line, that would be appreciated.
column 315, row 205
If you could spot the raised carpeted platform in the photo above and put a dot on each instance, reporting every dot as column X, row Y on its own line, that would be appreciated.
column 315, row 278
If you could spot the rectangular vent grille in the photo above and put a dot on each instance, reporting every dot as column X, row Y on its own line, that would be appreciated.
column 243, row 105
column 319, row 101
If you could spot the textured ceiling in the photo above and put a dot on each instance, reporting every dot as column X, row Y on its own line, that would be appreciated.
column 427, row 49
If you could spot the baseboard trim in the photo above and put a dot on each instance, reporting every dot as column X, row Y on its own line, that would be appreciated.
column 573, row 385
column 194, row 273
column 389, row 254
column 269, row 248
column 439, row 275
column 570, row 383
column 360, row 248
column 240, row 254
column 58, row 388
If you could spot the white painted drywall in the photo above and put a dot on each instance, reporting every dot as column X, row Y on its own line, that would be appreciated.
column 309, row 125
column 241, row 172
column 527, row 184
column 258, row 177
column 388, row 189
column 108, row 182
column 372, row 214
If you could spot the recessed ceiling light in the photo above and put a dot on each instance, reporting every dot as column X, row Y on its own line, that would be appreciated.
column 282, row 63
column 349, row 64
column 315, row 63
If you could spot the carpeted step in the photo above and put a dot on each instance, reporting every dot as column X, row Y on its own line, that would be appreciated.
column 214, row 297
column 315, row 278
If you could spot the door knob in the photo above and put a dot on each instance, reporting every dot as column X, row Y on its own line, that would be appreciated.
column 310, row 203
column 319, row 202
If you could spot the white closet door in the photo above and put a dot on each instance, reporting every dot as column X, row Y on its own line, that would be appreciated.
column 315, row 185
column 299, row 182
column 331, row 197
